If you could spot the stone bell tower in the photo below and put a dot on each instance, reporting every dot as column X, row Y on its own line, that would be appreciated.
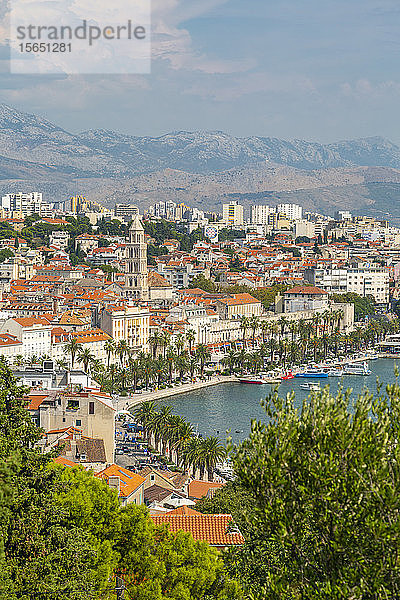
column 136, row 282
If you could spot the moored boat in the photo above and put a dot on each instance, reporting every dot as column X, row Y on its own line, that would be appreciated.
column 357, row 369
column 313, row 373
column 253, row 380
column 335, row 372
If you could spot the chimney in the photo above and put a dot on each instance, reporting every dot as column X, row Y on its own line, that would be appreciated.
column 114, row 483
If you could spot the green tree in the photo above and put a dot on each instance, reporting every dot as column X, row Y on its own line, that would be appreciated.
column 72, row 348
column 325, row 483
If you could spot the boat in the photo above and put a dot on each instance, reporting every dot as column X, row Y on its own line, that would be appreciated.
column 253, row 380
column 357, row 369
column 310, row 387
column 313, row 373
column 335, row 372
column 273, row 380
column 287, row 375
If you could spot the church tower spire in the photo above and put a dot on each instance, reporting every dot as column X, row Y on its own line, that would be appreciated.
column 136, row 281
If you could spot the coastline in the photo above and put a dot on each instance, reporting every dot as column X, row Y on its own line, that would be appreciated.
column 181, row 389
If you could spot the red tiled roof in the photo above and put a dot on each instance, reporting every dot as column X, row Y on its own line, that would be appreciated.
column 213, row 529
column 129, row 481
column 35, row 401
column 198, row 489
column 310, row 289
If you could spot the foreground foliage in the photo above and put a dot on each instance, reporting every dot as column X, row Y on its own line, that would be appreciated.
column 64, row 535
column 323, row 480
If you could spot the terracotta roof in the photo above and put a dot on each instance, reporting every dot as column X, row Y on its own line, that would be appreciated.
column 239, row 299
column 198, row 489
column 308, row 289
column 129, row 481
column 156, row 280
column 184, row 510
column 36, row 401
column 29, row 321
column 61, row 460
column 213, row 529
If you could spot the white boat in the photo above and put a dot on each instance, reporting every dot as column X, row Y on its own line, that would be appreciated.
column 253, row 380
column 360, row 368
column 310, row 386
column 335, row 372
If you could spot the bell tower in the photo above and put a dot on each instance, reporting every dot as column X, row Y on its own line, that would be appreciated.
column 136, row 283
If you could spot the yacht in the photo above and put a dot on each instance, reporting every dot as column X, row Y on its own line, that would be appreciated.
column 357, row 369
column 314, row 373
column 310, row 387
column 255, row 380
column 335, row 372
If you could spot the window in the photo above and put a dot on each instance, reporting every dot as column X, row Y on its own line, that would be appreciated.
column 78, row 422
column 152, row 477
column 91, row 408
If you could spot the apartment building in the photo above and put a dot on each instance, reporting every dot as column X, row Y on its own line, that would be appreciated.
column 293, row 212
column 369, row 282
column 34, row 333
column 126, row 322
column 91, row 412
column 232, row 214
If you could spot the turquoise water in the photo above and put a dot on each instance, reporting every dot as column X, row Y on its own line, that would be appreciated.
column 232, row 406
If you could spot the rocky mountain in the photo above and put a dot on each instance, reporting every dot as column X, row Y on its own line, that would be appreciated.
column 202, row 168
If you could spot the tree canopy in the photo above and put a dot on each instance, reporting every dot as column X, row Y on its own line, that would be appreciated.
column 323, row 479
column 64, row 534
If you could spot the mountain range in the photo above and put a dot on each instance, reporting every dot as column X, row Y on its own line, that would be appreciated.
column 201, row 168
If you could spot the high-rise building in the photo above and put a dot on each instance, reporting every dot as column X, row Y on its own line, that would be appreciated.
column 126, row 211
column 294, row 212
column 20, row 205
column 136, row 276
column 260, row 214
column 232, row 214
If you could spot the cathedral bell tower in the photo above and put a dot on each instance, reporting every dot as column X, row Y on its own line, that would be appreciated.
column 136, row 282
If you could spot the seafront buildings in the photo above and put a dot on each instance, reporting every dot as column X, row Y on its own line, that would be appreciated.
column 122, row 287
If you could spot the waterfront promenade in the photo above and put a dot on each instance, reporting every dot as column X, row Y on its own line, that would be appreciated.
column 179, row 389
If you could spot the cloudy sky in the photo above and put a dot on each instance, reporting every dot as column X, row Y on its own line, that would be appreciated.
column 314, row 69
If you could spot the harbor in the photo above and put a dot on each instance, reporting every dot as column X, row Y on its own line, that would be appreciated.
column 231, row 406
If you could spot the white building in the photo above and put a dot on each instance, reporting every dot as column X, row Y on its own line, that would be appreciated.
column 59, row 239
column 232, row 214
column 259, row 214
column 20, row 205
column 369, row 282
column 127, row 322
column 33, row 332
column 293, row 212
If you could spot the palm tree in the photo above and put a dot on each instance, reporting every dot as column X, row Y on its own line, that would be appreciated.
column 135, row 371
column 122, row 349
column 19, row 360
column 109, row 347
column 86, row 358
column 154, row 341
column 230, row 360
column 214, row 452
column 180, row 344
column 164, row 340
column 159, row 426
column 192, row 456
column 144, row 414
column 182, row 363
column 72, row 348
column 203, row 354
column 182, row 434
column 244, row 325
column 190, row 338
column 254, row 324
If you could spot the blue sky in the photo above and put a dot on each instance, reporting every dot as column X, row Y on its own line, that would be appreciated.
column 320, row 70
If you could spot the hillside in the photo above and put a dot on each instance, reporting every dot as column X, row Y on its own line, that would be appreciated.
column 200, row 168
